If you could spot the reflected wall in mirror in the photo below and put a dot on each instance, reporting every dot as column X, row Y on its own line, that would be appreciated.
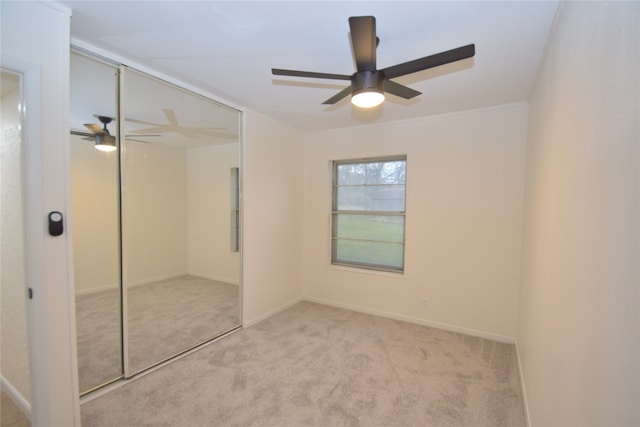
column 95, row 209
column 182, row 272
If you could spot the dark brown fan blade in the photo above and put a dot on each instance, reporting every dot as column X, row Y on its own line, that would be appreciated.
column 87, row 134
column 364, row 41
column 294, row 73
column 96, row 129
column 337, row 97
column 399, row 90
column 430, row 61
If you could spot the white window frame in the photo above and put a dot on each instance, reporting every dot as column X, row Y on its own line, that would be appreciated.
column 335, row 211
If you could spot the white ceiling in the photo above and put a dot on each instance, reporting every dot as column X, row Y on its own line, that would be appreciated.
column 228, row 48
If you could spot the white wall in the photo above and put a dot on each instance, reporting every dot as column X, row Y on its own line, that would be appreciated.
column 14, row 352
column 209, row 212
column 272, row 216
column 465, row 183
column 155, row 212
column 578, row 329
column 95, row 207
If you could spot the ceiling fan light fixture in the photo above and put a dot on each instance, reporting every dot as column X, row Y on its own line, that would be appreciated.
column 368, row 84
column 105, row 142
column 366, row 89
column 368, row 98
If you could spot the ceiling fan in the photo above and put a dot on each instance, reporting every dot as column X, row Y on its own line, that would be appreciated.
column 103, row 139
column 368, row 84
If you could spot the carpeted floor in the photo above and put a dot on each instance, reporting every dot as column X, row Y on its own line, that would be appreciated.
column 165, row 318
column 315, row 365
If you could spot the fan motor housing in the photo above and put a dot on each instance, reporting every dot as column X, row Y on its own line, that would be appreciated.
column 105, row 139
column 366, row 81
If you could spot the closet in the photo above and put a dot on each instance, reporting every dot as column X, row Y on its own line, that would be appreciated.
column 155, row 219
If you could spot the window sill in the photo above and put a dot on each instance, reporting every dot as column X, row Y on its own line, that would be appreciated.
column 389, row 274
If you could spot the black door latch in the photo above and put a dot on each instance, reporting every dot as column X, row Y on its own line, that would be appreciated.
column 55, row 223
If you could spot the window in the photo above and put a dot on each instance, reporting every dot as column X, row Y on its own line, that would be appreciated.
column 368, row 213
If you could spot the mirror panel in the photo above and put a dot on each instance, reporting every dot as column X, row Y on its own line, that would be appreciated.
column 182, row 268
column 95, row 214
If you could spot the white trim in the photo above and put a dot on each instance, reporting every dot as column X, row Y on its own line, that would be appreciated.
column 122, row 223
column 112, row 286
column 424, row 322
column 51, row 318
column 265, row 316
column 21, row 403
column 523, row 389
column 390, row 274
column 154, row 279
column 221, row 279
column 175, row 276
column 97, row 289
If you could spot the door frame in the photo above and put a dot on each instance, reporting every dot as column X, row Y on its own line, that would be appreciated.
column 43, row 61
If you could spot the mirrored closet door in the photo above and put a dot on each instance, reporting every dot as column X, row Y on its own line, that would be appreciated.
column 95, row 219
column 155, row 221
column 181, row 264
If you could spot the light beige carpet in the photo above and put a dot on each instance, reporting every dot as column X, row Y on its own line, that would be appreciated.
column 314, row 365
column 165, row 318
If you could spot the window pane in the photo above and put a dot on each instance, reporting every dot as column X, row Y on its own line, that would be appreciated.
column 392, row 172
column 351, row 173
column 384, row 228
column 374, row 253
column 371, row 198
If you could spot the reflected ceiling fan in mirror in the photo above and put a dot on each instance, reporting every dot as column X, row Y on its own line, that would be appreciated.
column 173, row 125
column 368, row 84
column 101, row 135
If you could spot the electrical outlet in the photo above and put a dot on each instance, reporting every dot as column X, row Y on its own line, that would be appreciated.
column 424, row 303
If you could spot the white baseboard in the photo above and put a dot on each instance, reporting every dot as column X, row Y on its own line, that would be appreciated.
column 216, row 278
column 247, row 323
column 155, row 279
column 111, row 286
column 21, row 403
column 430, row 323
column 96, row 289
column 523, row 389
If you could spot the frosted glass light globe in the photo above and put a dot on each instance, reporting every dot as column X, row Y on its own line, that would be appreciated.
column 367, row 99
